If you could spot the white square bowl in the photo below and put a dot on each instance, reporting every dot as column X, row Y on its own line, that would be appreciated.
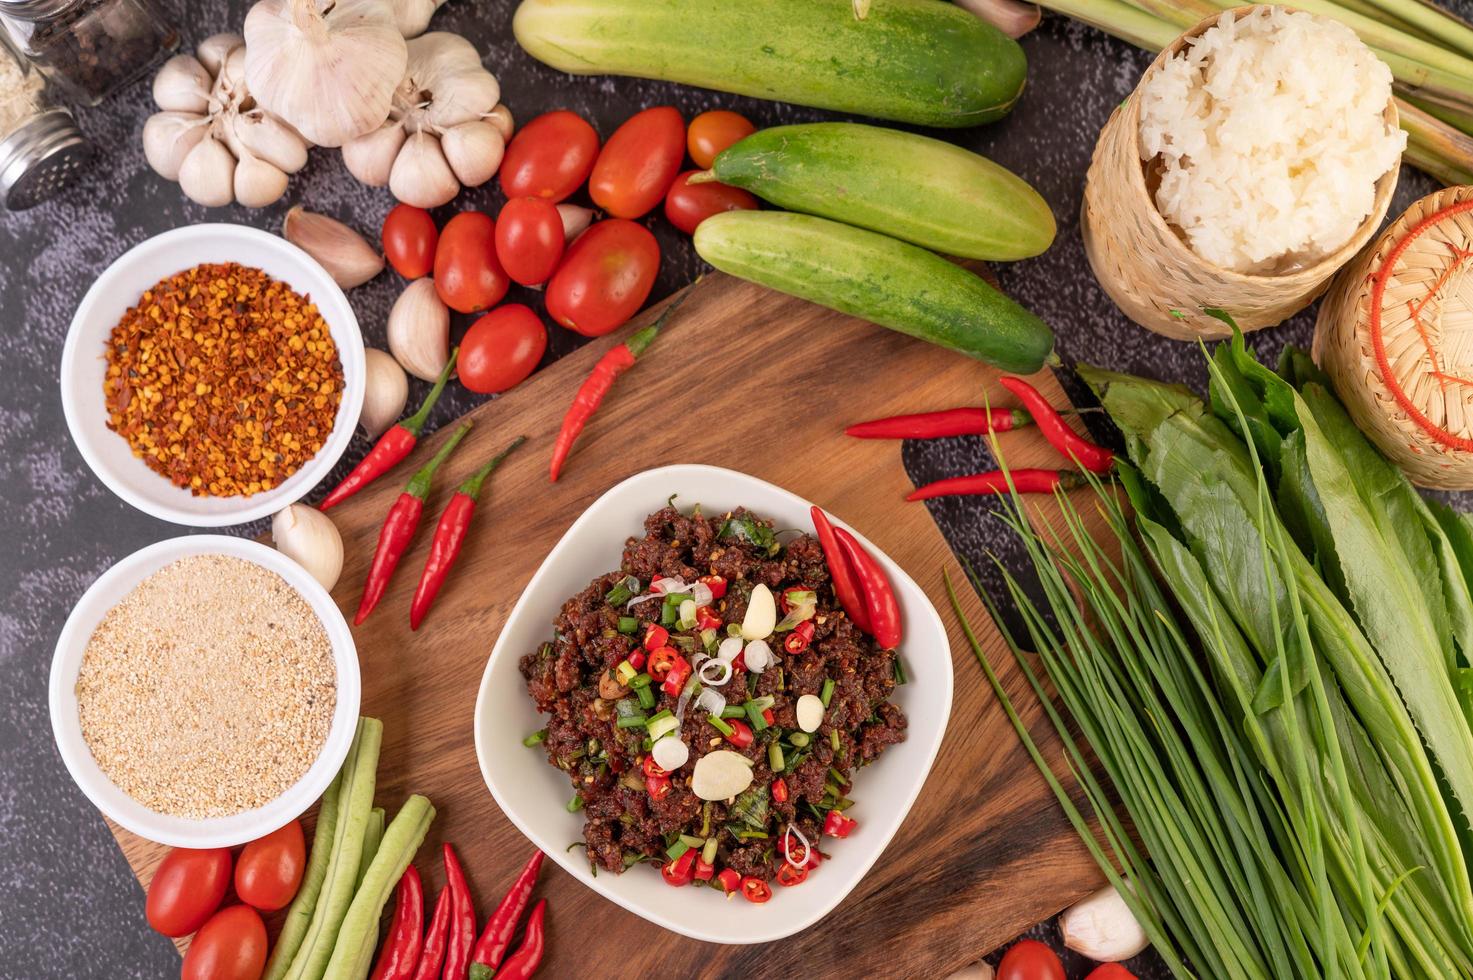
column 533, row 794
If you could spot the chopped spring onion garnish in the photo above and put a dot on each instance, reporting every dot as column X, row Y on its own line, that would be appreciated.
column 646, row 697
column 576, row 803
column 757, row 656
column 628, row 625
column 677, row 849
column 641, row 680
column 775, row 755
column 751, row 834
column 536, row 738
column 691, row 689
column 631, row 721
column 721, row 726
column 715, row 672
column 708, row 640
column 733, row 711
column 800, row 740
column 754, row 716
column 622, row 590
column 734, row 629
column 828, row 692
column 692, row 841
column 834, row 739
column 796, row 615
column 670, row 754
column 788, row 836
column 625, row 672
column 899, row 671
column 708, row 850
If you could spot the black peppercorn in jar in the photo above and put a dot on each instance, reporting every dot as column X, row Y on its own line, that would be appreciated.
column 89, row 48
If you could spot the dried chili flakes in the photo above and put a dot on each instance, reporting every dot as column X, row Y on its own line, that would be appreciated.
column 223, row 379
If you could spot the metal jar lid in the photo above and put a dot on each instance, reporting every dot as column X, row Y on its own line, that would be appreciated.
column 40, row 157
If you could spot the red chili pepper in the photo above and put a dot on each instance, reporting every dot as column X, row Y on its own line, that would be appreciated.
column 741, row 735
column 392, row 446
column 838, row 825
column 879, row 598
column 755, row 890
column 524, row 962
column 502, row 925
column 661, row 661
column 995, row 483
column 704, row 869
column 780, row 790
column 397, row 533
column 432, row 954
column 400, row 954
column 805, row 855
column 655, row 636
column 636, row 659
column 715, row 583
column 680, row 871
column 450, row 534
column 788, row 876
column 676, row 676
column 595, row 387
column 768, row 717
column 652, row 768
column 845, row 581
column 729, row 880
column 462, row 932
column 797, row 641
column 934, row 425
column 739, row 662
column 706, row 619
column 1070, row 444
column 658, row 787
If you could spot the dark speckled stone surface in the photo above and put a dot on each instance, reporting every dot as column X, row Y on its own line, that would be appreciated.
column 69, row 904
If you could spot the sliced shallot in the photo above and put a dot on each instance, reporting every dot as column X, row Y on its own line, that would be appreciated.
column 757, row 656
column 788, row 845
column 670, row 753
column 715, row 678
column 713, row 701
column 729, row 649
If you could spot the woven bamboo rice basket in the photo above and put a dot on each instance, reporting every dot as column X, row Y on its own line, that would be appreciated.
column 1395, row 335
column 1147, row 267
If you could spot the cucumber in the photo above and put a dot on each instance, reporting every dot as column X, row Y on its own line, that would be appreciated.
column 881, row 279
column 911, row 187
column 917, row 61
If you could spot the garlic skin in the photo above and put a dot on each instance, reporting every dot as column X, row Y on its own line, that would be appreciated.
column 413, row 16
column 386, row 394
column 309, row 537
column 419, row 330
column 327, row 69
column 211, row 136
column 442, row 132
column 345, row 254
column 1102, row 927
column 575, row 220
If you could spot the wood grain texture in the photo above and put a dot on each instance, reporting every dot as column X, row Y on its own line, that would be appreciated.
column 765, row 384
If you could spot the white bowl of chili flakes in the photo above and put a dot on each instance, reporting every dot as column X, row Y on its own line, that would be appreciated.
column 112, row 455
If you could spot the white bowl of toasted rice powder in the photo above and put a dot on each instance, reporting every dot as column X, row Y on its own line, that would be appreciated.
column 204, row 691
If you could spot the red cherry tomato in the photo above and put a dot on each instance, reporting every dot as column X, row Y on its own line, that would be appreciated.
column 270, row 868
column 639, row 163
column 467, row 275
column 501, row 349
column 711, row 132
column 186, row 889
column 1029, row 959
column 1110, row 971
column 231, row 946
column 550, row 157
column 687, row 205
column 605, row 277
column 409, row 238
column 529, row 239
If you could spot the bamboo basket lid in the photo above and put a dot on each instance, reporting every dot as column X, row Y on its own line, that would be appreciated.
column 1146, row 266
column 1395, row 335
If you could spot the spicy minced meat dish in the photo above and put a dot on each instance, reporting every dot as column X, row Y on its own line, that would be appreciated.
column 711, row 702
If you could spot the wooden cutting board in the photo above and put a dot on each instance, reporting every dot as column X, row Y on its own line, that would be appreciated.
column 763, row 383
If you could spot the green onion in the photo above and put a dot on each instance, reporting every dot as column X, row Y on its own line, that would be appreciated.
column 834, row 740
column 625, row 672
column 625, row 707
column 536, row 738
column 764, row 702
column 677, row 849
column 754, row 716
column 632, row 721
column 646, row 696
column 828, row 691
column 622, row 592
column 775, row 755
column 630, row 860
column 733, row 711
column 708, row 850
column 799, row 740
column 576, row 803
column 660, row 727
column 839, row 777
column 692, row 841
column 708, row 639
column 640, row 680
column 752, row 834
column 899, row 670
column 668, row 616
column 667, row 713
column 721, row 726
column 734, row 629
column 628, row 625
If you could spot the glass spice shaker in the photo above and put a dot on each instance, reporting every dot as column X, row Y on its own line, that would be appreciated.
column 41, row 148
column 89, row 48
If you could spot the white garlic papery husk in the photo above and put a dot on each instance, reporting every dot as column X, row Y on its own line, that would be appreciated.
column 413, row 16
column 442, row 131
column 329, row 69
column 212, row 137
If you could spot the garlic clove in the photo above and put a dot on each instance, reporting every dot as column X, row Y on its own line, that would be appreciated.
column 232, row 74
column 213, row 50
column 436, row 55
column 1102, row 927
column 370, row 158
column 386, row 391
column 182, row 85
column 344, row 253
column 207, row 173
column 761, row 614
column 419, row 330
column 258, row 183
column 421, row 176
column 413, row 16
column 575, row 220
column 270, row 139
column 309, row 537
column 720, row 775
column 167, row 139
column 474, row 151
column 500, row 117
column 461, row 97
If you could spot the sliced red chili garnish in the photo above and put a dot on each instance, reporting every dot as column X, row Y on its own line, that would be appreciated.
column 798, row 640
column 704, row 869
column 706, row 619
column 661, row 660
column 636, row 659
column 730, row 881
column 715, row 583
column 675, row 676
column 788, row 876
column 768, row 717
column 655, row 636
column 679, row 871
column 741, row 733
column 838, row 825
column 652, row 768
column 755, row 890
column 780, row 790
column 658, row 787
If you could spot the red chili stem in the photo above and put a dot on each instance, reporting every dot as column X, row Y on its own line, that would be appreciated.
column 392, row 446
column 462, row 931
column 502, row 925
column 1069, row 444
column 432, row 956
column 949, row 422
column 398, row 531
column 400, row 954
column 846, row 586
column 524, row 962
column 879, row 597
column 995, row 483
column 615, row 361
column 450, row 534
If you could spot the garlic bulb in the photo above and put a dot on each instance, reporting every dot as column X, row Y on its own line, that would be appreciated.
column 500, row 117
column 212, row 137
column 1102, row 927
column 413, row 16
column 327, row 68
column 386, row 390
column 309, row 537
column 419, row 330
column 344, row 253
column 442, row 132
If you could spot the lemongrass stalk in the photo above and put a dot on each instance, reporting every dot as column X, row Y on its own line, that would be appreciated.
column 1435, row 147
column 1367, row 8
column 1428, row 84
column 1462, row 121
column 1390, row 40
column 1448, row 31
column 1182, row 14
column 1118, row 19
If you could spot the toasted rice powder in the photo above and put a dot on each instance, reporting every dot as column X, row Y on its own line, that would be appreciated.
column 209, row 689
